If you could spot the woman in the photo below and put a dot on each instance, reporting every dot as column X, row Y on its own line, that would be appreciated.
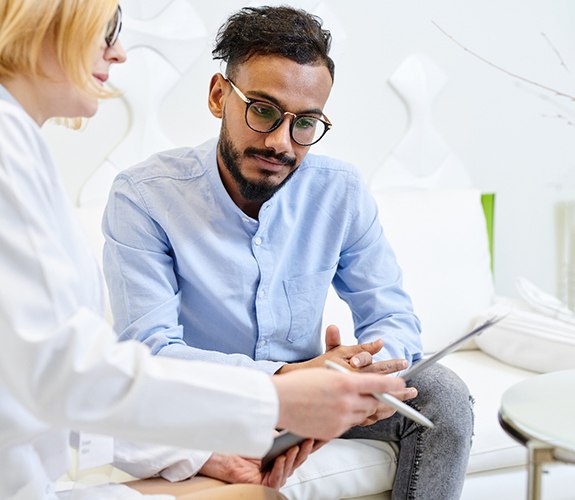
column 60, row 364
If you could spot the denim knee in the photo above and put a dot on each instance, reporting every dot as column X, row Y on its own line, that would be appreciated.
column 445, row 399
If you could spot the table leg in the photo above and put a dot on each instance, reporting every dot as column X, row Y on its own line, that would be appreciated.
column 539, row 454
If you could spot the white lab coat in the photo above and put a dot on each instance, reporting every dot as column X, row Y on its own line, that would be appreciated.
column 60, row 364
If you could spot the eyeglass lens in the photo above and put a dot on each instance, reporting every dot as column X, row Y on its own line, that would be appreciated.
column 114, row 27
column 265, row 117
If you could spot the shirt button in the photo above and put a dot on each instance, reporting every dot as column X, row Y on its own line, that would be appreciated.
column 261, row 294
column 263, row 342
column 258, row 241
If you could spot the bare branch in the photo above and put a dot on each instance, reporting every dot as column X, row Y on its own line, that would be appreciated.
column 507, row 72
column 554, row 49
column 562, row 105
column 560, row 117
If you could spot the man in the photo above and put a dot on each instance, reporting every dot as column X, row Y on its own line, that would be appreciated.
column 225, row 252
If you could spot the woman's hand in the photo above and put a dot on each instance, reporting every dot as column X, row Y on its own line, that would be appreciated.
column 235, row 469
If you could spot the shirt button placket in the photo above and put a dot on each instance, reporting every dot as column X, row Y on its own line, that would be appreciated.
column 260, row 294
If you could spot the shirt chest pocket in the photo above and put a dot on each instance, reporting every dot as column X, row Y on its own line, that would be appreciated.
column 306, row 297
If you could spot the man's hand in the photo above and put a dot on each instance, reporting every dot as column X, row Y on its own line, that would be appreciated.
column 359, row 358
column 363, row 362
column 234, row 469
column 356, row 356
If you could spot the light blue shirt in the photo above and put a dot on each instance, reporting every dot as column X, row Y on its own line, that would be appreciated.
column 194, row 277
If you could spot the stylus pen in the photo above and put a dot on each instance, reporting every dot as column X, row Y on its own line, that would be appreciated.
column 388, row 399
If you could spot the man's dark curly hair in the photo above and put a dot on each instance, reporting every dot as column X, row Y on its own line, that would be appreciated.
column 279, row 31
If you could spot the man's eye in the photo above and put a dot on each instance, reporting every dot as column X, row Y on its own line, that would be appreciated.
column 306, row 122
column 264, row 112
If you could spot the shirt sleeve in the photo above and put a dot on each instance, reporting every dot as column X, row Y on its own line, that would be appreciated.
column 140, row 273
column 60, row 360
column 369, row 279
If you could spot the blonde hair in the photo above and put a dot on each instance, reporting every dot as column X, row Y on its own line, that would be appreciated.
column 73, row 27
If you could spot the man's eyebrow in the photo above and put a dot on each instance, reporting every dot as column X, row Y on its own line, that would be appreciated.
column 256, row 94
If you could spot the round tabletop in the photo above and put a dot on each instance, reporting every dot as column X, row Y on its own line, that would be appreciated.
column 542, row 408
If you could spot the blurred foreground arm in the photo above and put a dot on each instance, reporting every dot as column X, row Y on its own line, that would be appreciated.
column 323, row 404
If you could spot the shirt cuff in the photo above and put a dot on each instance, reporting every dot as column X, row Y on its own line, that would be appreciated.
column 186, row 467
column 145, row 460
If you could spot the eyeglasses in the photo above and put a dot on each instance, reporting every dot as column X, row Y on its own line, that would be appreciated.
column 113, row 29
column 264, row 117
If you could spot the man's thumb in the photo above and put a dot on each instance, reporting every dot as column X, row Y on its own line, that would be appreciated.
column 332, row 338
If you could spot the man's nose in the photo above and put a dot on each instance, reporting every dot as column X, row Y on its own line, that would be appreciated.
column 280, row 139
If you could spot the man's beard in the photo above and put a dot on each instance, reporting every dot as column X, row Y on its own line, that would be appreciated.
column 261, row 190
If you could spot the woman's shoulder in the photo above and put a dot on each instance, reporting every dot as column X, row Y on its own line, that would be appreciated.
column 16, row 127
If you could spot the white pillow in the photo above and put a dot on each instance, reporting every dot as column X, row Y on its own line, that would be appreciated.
column 441, row 243
column 528, row 339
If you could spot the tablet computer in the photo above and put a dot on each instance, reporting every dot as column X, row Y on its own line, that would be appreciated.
column 282, row 443
column 424, row 363
column 285, row 439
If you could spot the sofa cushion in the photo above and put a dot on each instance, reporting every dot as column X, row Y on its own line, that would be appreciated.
column 487, row 379
column 344, row 468
column 441, row 242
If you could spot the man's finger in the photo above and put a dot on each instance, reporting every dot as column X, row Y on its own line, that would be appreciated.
column 369, row 383
column 372, row 347
column 332, row 338
column 369, row 347
column 361, row 360
column 386, row 367
column 363, row 356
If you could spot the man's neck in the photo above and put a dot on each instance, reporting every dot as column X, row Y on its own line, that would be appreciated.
column 251, row 208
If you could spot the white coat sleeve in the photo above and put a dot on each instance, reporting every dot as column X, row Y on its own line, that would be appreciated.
column 61, row 360
column 144, row 460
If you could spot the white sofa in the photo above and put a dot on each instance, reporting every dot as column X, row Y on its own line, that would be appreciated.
column 441, row 243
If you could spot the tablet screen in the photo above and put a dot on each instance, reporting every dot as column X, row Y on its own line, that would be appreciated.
column 421, row 365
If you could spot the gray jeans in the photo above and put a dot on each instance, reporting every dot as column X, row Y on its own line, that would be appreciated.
column 431, row 462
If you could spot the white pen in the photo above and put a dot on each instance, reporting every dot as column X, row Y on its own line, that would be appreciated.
column 388, row 399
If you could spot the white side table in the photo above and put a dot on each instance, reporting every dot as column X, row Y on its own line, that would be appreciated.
column 540, row 413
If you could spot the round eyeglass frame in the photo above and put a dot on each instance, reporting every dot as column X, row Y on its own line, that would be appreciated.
column 113, row 28
column 250, row 102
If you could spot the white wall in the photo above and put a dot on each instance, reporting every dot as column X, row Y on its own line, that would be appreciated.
column 505, row 132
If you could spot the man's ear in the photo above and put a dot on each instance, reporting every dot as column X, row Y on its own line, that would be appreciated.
column 217, row 95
